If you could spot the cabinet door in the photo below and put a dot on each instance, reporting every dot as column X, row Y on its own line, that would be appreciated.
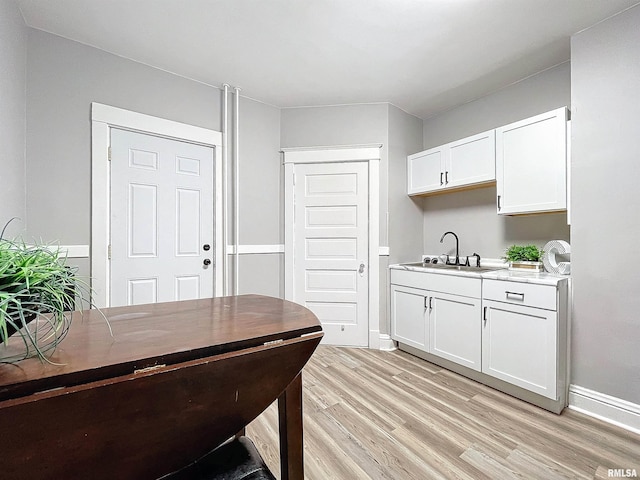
column 409, row 316
column 519, row 346
column 425, row 170
column 472, row 160
column 455, row 328
column 531, row 164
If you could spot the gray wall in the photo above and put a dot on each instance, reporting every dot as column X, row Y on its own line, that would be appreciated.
column 404, row 222
column 341, row 125
column 64, row 77
column 260, row 198
column 405, row 213
column 605, row 196
column 472, row 214
column 13, row 59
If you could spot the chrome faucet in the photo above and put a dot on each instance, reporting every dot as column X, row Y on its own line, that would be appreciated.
column 457, row 262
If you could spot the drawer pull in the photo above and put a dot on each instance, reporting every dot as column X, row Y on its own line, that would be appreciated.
column 515, row 295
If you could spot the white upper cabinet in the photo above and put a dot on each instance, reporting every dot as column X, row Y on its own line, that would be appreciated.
column 459, row 164
column 531, row 164
column 425, row 170
column 471, row 160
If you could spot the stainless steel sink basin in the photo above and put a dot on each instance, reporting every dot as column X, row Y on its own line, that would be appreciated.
column 443, row 266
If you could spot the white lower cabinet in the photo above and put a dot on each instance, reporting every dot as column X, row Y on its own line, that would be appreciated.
column 520, row 346
column 455, row 329
column 444, row 324
column 509, row 334
column 409, row 316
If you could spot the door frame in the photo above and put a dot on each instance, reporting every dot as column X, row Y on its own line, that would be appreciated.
column 337, row 154
column 103, row 119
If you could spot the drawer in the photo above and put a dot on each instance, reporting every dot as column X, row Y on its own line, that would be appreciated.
column 518, row 293
column 435, row 282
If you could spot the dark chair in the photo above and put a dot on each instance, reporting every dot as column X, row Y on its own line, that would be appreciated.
column 237, row 459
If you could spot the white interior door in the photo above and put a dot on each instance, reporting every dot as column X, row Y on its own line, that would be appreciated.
column 162, row 217
column 331, row 248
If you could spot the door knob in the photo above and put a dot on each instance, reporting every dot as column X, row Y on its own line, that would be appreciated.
column 361, row 269
column 206, row 247
column 206, row 262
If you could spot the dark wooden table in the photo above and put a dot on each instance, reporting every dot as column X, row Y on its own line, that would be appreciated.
column 174, row 381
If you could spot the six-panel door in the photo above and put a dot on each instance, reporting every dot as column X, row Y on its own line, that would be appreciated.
column 162, row 208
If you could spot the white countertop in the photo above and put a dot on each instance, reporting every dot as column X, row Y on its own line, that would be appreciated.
column 501, row 274
column 542, row 278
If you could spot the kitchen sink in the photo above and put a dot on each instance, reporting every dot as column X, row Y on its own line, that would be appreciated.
column 444, row 266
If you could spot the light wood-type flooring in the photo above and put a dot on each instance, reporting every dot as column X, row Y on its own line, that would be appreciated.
column 389, row 415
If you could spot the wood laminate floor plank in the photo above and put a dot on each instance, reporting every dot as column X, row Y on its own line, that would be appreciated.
column 389, row 415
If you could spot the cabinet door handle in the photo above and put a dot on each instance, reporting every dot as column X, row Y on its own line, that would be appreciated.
column 519, row 296
column 427, row 303
column 484, row 316
column 499, row 202
column 441, row 183
column 446, row 178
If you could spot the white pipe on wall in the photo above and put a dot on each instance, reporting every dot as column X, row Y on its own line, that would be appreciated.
column 225, row 189
column 236, row 176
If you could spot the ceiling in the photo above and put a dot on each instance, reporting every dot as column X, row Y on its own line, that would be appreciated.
column 424, row 56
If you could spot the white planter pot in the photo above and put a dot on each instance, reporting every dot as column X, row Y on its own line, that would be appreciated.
column 526, row 266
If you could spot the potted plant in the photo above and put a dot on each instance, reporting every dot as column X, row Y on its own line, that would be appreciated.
column 38, row 291
column 524, row 257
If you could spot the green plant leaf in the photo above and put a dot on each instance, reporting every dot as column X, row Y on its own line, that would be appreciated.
column 523, row 253
column 35, row 281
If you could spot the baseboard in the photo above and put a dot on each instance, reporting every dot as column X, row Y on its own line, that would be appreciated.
column 605, row 407
column 386, row 343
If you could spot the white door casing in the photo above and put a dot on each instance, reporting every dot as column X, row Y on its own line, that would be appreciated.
column 161, row 219
column 103, row 119
column 354, row 159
